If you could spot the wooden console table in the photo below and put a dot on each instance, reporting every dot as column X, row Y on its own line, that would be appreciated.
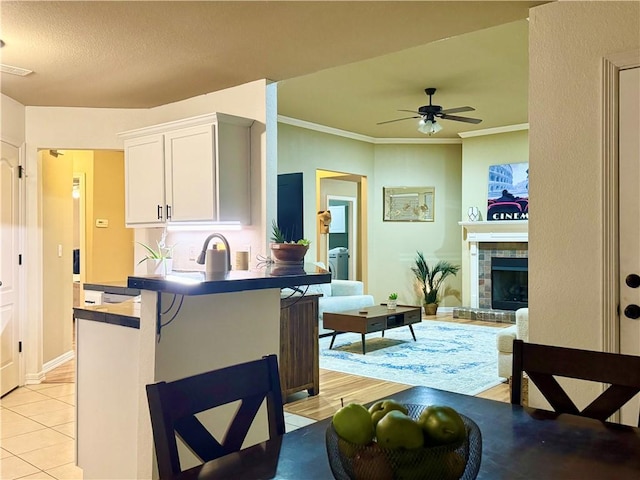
column 372, row 319
column 299, row 356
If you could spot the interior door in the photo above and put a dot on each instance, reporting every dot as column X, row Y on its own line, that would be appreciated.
column 630, row 224
column 9, row 322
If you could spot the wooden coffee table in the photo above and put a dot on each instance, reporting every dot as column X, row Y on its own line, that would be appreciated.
column 372, row 319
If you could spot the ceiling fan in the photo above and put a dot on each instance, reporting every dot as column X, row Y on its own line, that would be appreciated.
column 428, row 114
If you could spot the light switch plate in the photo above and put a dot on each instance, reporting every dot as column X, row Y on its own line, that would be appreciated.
column 102, row 223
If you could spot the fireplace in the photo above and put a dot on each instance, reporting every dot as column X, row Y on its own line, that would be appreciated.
column 509, row 283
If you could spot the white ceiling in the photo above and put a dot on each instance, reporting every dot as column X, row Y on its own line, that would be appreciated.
column 347, row 65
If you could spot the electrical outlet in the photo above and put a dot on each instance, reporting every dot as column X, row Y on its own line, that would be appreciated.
column 193, row 253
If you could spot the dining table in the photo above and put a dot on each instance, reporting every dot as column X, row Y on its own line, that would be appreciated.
column 517, row 442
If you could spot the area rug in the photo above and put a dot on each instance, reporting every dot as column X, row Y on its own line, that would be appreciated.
column 450, row 356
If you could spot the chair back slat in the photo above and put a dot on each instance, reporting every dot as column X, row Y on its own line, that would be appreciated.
column 543, row 363
column 198, row 439
column 173, row 406
column 553, row 392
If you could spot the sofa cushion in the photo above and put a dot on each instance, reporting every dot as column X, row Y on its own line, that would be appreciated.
column 346, row 287
column 505, row 338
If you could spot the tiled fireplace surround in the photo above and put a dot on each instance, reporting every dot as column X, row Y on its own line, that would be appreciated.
column 486, row 240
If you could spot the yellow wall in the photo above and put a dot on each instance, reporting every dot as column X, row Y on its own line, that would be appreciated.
column 57, row 255
column 112, row 247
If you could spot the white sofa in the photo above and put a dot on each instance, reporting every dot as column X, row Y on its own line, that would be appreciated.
column 505, row 338
column 340, row 296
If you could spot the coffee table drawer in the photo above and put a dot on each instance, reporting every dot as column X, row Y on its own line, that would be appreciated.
column 376, row 325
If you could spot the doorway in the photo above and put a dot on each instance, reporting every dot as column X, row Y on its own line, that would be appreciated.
column 343, row 230
column 344, row 195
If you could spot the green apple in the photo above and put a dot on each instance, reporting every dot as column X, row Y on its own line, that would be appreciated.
column 353, row 424
column 442, row 425
column 397, row 430
column 382, row 407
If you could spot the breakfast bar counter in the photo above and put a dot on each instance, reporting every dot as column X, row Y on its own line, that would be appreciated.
column 189, row 322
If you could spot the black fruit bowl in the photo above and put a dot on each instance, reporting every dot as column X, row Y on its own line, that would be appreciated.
column 349, row 461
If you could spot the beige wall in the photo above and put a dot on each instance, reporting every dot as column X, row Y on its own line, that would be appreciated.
column 57, row 255
column 97, row 129
column 568, row 41
column 392, row 245
column 303, row 150
column 478, row 153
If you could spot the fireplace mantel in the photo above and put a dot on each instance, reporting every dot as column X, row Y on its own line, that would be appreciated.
column 478, row 232
column 506, row 231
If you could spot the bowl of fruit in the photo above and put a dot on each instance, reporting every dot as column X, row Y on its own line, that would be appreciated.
column 394, row 441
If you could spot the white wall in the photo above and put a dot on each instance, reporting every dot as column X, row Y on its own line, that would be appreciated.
column 567, row 42
column 12, row 116
column 97, row 129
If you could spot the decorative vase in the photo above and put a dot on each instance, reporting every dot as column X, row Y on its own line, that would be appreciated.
column 289, row 253
column 430, row 308
column 392, row 304
column 159, row 266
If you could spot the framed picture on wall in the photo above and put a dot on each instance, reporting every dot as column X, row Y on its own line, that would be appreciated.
column 508, row 192
column 408, row 204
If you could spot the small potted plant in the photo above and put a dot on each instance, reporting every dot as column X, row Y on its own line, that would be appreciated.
column 430, row 278
column 160, row 260
column 392, row 303
column 290, row 253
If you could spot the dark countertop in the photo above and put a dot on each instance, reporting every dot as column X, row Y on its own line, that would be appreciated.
column 199, row 283
column 125, row 314
column 118, row 287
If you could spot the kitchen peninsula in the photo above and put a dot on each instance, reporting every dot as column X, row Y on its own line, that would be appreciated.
column 188, row 323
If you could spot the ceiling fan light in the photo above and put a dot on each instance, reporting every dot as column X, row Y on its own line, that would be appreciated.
column 429, row 126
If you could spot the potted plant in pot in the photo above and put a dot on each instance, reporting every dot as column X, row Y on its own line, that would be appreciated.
column 392, row 302
column 430, row 278
column 160, row 260
column 290, row 253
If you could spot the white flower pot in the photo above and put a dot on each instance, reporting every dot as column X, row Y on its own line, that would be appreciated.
column 159, row 266
column 392, row 304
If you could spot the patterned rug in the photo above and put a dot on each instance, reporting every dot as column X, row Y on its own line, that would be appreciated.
column 450, row 356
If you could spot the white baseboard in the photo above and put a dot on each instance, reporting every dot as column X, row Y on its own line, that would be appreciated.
column 33, row 378
column 56, row 362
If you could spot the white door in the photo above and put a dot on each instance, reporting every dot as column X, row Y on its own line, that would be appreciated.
column 9, row 322
column 630, row 224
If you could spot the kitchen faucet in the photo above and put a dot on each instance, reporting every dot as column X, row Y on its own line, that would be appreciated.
column 203, row 253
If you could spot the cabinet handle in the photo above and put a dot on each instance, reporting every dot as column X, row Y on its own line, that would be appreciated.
column 168, row 212
column 159, row 212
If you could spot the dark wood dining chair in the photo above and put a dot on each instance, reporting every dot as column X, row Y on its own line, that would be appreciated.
column 544, row 362
column 173, row 406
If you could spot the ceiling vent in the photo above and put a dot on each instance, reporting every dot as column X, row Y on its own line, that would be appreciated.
column 22, row 72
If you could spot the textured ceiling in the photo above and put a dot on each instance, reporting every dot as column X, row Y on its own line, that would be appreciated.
column 145, row 54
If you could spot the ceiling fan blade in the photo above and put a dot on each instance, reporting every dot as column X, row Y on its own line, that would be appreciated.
column 410, row 111
column 458, row 110
column 460, row 119
column 396, row 120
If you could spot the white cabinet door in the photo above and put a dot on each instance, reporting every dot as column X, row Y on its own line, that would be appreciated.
column 144, row 180
column 234, row 160
column 190, row 174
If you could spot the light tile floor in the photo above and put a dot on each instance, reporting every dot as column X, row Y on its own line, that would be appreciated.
column 37, row 432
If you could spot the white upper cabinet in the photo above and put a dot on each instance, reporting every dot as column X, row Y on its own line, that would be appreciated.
column 192, row 170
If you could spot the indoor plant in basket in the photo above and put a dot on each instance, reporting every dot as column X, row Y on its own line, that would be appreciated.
column 291, row 253
column 392, row 302
column 430, row 278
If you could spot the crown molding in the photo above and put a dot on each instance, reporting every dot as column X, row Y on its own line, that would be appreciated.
column 493, row 131
column 364, row 138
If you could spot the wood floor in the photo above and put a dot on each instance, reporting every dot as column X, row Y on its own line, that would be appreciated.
column 335, row 387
